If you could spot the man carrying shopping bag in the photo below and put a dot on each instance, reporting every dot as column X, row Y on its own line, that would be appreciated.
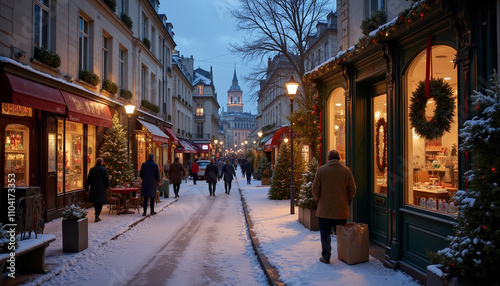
column 333, row 189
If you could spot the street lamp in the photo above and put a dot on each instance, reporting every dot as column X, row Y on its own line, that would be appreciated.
column 259, row 134
column 215, row 141
column 292, row 87
column 129, row 109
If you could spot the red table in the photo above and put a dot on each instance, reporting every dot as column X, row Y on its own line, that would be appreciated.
column 125, row 192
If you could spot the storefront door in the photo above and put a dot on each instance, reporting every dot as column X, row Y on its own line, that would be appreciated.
column 378, row 195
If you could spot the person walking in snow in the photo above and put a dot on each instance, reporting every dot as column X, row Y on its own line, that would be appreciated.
column 248, row 167
column 212, row 174
column 333, row 189
column 194, row 171
column 228, row 173
column 150, row 175
column 98, row 183
column 176, row 173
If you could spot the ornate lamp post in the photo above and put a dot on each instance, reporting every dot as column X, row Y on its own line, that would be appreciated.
column 129, row 109
column 292, row 87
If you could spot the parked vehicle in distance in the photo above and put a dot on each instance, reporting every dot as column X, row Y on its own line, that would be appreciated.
column 203, row 165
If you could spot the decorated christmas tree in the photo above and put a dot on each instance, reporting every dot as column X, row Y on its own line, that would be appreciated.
column 305, row 197
column 258, row 155
column 474, row 252
column 264, row 167
column 280, row 185
column 114, row 153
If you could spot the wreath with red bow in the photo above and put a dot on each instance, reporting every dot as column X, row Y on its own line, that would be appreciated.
column 381, row 162
column 440, row 123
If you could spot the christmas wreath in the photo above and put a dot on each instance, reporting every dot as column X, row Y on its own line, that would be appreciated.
column 440, row 123
column 381, row 162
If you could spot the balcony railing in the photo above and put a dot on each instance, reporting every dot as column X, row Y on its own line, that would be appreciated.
column 202, row 136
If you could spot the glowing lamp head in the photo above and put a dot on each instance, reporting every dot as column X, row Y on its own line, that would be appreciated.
column 292, row 86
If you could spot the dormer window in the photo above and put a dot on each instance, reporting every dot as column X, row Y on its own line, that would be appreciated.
column 200, row 89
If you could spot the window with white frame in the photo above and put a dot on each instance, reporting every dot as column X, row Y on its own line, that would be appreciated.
column 105, row 56
column 144, row 27
column 122, row 69
column 199, row 129
column 374, row 6
column 123, row 7
column 153, row 40
column 199, row 109
column 143, row 82
column 153, row 88
column 41, row 24
column 83, row 44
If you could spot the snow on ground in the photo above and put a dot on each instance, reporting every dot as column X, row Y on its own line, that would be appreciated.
column 201, row 240
column 194, row 240
column 295, row 250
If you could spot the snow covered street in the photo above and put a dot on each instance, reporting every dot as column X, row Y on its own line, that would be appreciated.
column 198, row 240
column 202, row 240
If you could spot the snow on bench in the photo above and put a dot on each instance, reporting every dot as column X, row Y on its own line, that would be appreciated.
column 29, row 256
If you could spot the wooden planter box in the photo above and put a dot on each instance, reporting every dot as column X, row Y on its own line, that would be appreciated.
column 266, row 181
column 308, row 218
column 435, row 277
column 75, row 235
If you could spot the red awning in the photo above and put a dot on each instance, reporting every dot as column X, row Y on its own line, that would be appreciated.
column 158, row 135
column 28, row 93
column 188, row 148
column 172, row 136
column 203, row 147
column 87, row 111
column 268, row 146
column 276, row 139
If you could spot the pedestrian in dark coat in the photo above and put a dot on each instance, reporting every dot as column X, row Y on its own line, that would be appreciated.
column 176, row 173
column 98, row 184
column 248, row 167
column 228, row 173
column 150, row 175
column 334, row 189
column 242, row 163
column 212, row 174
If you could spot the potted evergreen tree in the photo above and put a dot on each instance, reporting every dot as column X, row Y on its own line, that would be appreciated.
column 75, row 229
column 306, row 202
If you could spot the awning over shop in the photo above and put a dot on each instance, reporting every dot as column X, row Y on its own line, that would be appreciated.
column 172, row 136
column 158, row 135
column 203, row 147
column 87, row 111
column 187, row 147
column 268, row 146
column 276, row 140
column 28, row 93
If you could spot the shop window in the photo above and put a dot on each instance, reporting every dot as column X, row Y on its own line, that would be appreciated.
column 379, row 132
column 142, row 151
column 432, row 166
column 305, row 153
column 69, row 156
column 17, row 155
column 335, row 122
column 91, row 150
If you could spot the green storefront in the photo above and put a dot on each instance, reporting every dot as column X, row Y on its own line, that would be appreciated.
column 406, row 183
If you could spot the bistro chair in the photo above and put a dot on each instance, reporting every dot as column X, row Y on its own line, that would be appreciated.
column 135, row 202
column 114, row 203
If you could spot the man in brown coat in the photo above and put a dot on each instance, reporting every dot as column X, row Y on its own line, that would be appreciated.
column 333, row 189
column 176, row 173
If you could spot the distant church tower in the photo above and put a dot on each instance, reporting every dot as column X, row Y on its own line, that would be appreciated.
column 235, row 95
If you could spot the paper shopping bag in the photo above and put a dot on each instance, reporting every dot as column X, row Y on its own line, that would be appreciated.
column 352, row 243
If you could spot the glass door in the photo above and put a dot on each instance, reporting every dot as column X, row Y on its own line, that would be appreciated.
column 17, row 146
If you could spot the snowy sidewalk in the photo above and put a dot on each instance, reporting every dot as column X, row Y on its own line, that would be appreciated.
column 294, row 250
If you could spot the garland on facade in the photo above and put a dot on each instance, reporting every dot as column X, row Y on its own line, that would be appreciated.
column 384, row 32
column 381, row 162
column 440, row 123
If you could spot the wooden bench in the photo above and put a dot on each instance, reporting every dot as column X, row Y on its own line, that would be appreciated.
column 30, row 256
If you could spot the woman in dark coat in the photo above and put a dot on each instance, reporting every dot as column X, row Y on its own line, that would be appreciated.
column 98, row 183
column 228, row 173
column 176, row 173
column 212, row 174
column 150, row 175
